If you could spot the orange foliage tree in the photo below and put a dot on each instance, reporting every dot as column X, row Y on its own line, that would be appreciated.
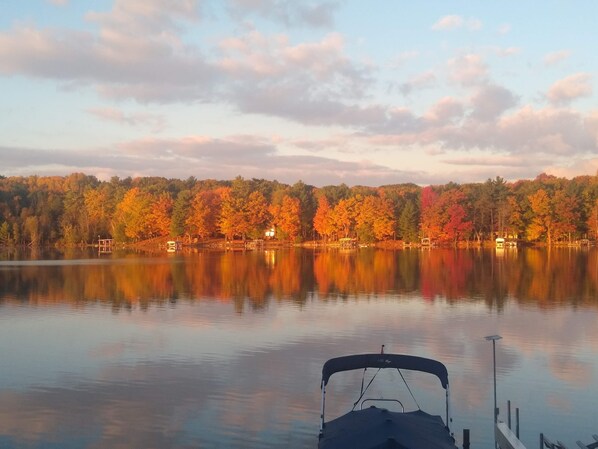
column 160, row 215
column 257, row 213
column 132, row 214
column 344, row 216
column 233, row 221
column 204, row 213
column 541, row 222
column 287, row 217
column 323, row 218
column 374, row 218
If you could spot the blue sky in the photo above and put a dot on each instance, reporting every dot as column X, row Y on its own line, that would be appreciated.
column 324, row 91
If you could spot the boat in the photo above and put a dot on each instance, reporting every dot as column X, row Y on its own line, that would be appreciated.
column 373, row 427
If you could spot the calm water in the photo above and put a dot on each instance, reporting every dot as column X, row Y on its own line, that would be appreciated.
column 221, row 350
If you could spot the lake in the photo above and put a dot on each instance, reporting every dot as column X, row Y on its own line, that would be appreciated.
column 203, row 349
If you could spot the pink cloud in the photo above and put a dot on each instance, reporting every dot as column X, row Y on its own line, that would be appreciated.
column 570, row 88
column 449, row 22
column 446, row 110
column 468, row 69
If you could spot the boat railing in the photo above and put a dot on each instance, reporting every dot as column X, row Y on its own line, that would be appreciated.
column 383, row 400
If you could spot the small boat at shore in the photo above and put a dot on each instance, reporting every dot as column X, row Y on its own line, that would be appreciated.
column 374, row 427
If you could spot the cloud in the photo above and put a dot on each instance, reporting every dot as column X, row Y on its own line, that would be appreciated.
column 421, row 81
column 136, row 53
column 509, row 51
column 570, row 88
column 453, row 22
column 155, row 122
column 468, row 69
column 556, row 57
column 446, row 111
column 287, row 12
column 450, row 22
column 403, row 58
column 585, row 166
column 488, row 161
column 203, row 157
column 490, row 101
column 315, row 71
column 550, row 133
column 504, row 28
column 58, row 2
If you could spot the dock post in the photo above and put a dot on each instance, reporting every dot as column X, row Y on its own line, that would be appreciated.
column 541, row 441
column 517, row 422
column 509, row 413
column 465, row 438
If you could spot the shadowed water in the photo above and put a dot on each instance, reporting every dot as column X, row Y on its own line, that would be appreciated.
column 219, row 350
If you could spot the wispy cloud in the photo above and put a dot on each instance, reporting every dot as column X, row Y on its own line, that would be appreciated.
column 504, row 28
column 453, row 22
column 288, row 12
column 556, row 57
column 155, row 122
column 421, row 81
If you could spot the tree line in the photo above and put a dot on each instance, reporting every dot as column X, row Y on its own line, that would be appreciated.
column 79, row 209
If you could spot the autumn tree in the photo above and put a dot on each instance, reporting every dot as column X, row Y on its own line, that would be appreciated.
column 453, row 217
column 179, row 213
column 160, row 215
column 408, row 222
column 308, row 206
column 593, row 219
column 95, row 202
column 257, row 214
column 286, row 218
column 204, row 213
column 430, row 223
column 344, row 216
column 541, row 221
column 374, row 219
column 323, row 221
column 132, row 215
column 566, row 212
column 514, row 220
column 233, row 218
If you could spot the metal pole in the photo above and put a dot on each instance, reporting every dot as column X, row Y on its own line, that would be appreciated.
column 466, row 443
column 494, row 365
column 493, row 338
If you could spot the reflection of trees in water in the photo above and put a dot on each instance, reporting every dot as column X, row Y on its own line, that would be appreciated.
column 542, row 276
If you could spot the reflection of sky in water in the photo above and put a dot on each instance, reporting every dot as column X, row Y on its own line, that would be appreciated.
column 201, row 373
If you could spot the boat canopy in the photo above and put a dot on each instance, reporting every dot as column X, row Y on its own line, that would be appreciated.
column 399, row 361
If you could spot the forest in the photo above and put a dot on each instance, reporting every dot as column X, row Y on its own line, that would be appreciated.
column 78, row 209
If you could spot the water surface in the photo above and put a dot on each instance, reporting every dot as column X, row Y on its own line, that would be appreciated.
column 219, row 350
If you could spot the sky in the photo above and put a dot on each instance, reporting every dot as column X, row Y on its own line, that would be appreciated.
column 324, row 91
